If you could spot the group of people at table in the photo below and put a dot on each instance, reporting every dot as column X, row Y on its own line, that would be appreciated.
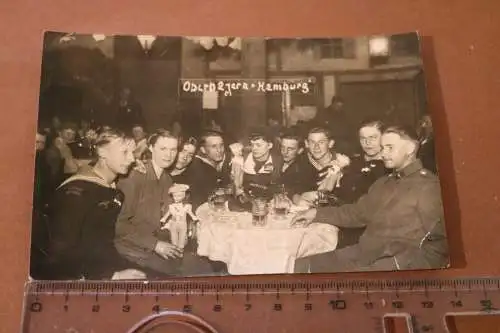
column 130, row 217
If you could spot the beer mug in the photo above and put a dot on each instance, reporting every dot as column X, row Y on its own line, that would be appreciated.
column 322, row 198
column 217, row 200
column 259, row 212
column 229, row 191
column 281, row 205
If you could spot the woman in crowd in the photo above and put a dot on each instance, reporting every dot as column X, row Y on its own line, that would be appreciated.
column 181, row 173
column 83, row 216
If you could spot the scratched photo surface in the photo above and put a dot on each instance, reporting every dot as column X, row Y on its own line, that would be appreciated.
column 160, row 157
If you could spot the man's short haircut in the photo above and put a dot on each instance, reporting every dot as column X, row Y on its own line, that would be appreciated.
column 68, row 125
column 292, row 134
column 207, row 134
column 378, row 124
column 105, row 136
column 261, row 133
column 319, row 129
column 405, row 132
column 41, row 130
column 138, row 125
column 160, row 133
column 337, row 99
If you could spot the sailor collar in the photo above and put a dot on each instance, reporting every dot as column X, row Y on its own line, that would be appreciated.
column 249, row 165
column 217, row 166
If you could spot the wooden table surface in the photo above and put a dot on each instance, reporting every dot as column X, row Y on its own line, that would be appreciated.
column 461, row 53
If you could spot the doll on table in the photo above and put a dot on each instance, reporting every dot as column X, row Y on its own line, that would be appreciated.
column 237, row 166
column 178, row 211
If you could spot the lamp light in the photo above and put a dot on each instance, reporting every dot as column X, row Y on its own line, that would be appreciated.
column 222, row 41
column 235, row 44
column 379, row 46
column 207, row 42
column 146, row 41
column 98, row 37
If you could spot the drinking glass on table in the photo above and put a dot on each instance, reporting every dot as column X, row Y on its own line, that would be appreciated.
column 259, row 212
column 229, row 191
column 217, row 200
column 281, row 205
column 322, row 198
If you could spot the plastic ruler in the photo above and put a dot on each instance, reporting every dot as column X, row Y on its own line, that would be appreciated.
column 259, row 305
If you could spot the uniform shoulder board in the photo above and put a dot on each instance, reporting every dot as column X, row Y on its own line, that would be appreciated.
column 427, row 173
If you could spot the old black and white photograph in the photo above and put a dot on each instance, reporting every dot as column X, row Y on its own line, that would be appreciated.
column 164, row 156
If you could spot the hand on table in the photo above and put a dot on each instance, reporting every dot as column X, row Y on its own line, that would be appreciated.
column 129, row 274
column 306, row 199
column 167, row 250
column 304, row 219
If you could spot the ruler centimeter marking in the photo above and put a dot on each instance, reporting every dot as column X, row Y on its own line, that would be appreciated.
column 178, row 287
column 353, row 304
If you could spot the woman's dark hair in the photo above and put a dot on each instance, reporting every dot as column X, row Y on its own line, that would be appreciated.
column 189, row 141
column 160, row 133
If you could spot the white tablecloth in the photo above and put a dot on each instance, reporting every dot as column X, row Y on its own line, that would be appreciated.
column 246, row 249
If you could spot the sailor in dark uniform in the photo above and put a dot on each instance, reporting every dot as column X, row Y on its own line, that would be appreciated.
column 83, row 216
column 365, row 168
column 261, row 168
column 402, row 211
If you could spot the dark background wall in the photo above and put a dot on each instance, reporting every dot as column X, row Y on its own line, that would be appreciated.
column 393, row 100
column 80, row 79
column 152, row 76
column 460, row 57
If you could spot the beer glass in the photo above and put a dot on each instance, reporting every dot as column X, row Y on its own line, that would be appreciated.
column 259, row 212
column 281, row 205
column 322, row 198
column 217, row 200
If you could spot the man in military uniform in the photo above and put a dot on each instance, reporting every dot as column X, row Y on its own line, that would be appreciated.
column 402, row 211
